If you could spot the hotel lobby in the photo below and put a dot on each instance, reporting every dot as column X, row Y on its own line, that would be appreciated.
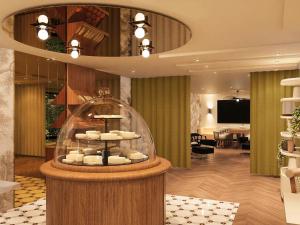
column 150, row 112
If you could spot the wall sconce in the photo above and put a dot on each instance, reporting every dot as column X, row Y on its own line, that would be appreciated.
column 209, row 110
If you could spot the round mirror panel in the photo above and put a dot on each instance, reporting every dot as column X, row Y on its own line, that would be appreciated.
column 99, row 30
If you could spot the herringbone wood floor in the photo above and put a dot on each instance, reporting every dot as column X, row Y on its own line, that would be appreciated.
column 226, row 176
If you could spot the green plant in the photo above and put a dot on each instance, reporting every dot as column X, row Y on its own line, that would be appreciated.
column 52, row 113
column 55, row 44
column 295, row 122
column 280, row 157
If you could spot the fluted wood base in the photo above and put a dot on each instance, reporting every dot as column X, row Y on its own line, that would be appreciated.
column 106, row 199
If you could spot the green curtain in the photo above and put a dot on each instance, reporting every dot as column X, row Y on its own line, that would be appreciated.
column 164, row 102
column 265, row 119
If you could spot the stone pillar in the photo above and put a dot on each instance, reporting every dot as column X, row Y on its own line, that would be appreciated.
column 6, row 123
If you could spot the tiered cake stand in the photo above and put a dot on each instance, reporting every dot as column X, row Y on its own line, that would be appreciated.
column 290, row 187
column 131, row 194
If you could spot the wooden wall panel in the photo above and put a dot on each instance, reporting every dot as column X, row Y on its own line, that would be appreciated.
column 80, row 78
column 30, row 120
column 110, row 46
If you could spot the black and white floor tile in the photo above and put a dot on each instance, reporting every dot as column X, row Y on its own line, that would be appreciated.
column 181, row 210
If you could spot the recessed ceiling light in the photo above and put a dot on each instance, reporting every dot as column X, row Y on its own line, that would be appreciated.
column 197, row 60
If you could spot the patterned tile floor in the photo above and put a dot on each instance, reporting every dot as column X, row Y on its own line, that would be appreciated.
column 31, row 190
column 181, row 210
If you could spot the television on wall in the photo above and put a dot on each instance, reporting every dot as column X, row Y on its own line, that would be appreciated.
column 233, row 111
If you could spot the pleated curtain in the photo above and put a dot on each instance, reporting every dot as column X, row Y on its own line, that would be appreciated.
column 30, row 120
column 164, row 102
column 266, row 123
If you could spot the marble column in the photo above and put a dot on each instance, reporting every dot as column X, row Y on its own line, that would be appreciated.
column 195, row 112
column 6, row 123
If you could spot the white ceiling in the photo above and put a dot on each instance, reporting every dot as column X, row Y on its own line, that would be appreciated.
column 229, row 39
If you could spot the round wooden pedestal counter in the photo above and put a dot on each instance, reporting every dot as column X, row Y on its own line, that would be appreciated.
column 114, row 195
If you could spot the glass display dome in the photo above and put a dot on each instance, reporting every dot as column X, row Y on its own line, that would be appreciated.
column 104, row 132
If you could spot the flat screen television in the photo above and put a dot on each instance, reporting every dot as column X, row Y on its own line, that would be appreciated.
column 232, row 111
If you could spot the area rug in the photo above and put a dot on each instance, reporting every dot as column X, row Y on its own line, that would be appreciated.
column 180, row 210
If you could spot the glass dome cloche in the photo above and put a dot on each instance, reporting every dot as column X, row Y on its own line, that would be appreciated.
column 104, row 132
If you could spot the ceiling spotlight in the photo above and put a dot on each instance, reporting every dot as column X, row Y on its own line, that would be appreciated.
column 139, row 19
column 237, row 100
column 146, row 53
column 75, row 54
column 74, row 43
column 146, row 42
column 43, row 19
column 42, row 27
column 43, row 34
column 140, row 24
column 140, row 32
column 74, row 48
column 146, row 48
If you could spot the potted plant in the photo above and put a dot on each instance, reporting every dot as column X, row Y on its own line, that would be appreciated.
column 294, row 128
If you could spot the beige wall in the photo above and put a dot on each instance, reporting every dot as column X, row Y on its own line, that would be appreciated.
column 204, row 122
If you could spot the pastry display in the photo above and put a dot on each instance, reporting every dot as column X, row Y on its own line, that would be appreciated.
column 136, row 155
column 98, row 136
column 92, row 160
column 110, row 136
column 117, row 160
column 93, row 136
column 74, row 158
column 118, row 132
column 89, row 151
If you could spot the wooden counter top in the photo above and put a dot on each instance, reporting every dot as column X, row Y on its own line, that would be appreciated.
column 110, row 173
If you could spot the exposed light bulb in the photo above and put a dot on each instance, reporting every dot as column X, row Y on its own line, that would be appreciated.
column 146, row 53
column 43, row 19
column 74, row 43
column 43, row 34
column 146, row 42
column 237, row 100
column 75, row 54
column 139, row 32
column 139, row 17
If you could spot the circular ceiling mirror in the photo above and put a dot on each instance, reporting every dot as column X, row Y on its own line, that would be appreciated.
column 99, row 30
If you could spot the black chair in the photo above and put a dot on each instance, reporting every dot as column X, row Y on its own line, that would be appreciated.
column 198, row 147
